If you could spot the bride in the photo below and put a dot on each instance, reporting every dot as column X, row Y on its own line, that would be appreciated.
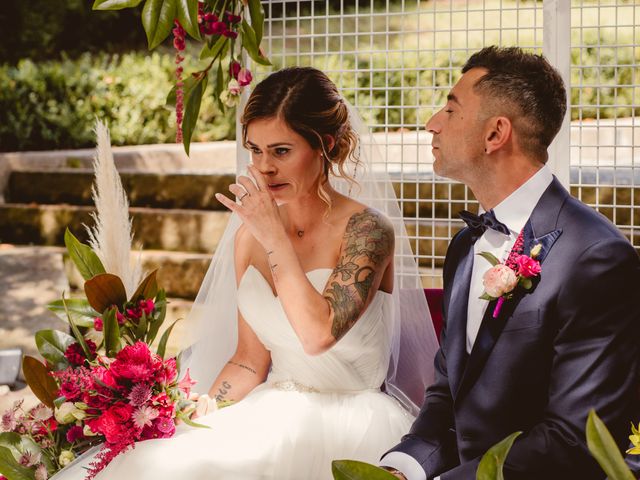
column 298, row 319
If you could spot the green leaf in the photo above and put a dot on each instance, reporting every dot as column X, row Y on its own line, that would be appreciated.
column 191, row 111
column 215, row 49
column 148, row 288
column 188, row 17
column 249, row 42
column 190, row 422
column 10, row 468
column 19, row 444
column 354, row 470
column 75, row 330
column 114, row 4
column 156, row 323
column 157, row 20
column 490, row 467
column 605, row 450
column 486, row 296
column 79, row 310
column 52, row 344
column 41, row 383
column 88, row 263
column 141, row 328
column 105, row 290
column 490, row 257
column 219, row 87
column 162, row 346
column 111, row 331
column 257, row 19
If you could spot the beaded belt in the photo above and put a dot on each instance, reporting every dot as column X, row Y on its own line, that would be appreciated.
column 293, row 386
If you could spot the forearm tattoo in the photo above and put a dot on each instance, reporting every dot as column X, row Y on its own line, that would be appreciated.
column 242, row 366
column 222, row 391
column 367, row 243
column 272, row 266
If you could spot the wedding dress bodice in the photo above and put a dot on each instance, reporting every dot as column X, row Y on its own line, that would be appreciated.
column 358, row 361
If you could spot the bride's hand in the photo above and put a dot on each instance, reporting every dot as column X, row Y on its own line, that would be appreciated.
column 204, row 405
column 258, row 209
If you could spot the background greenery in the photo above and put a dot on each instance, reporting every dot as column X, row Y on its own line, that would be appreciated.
column 51, row 89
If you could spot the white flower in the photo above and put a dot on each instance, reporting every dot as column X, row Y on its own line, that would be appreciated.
column 499, row 280
column 143, row 416
column 29, row 458
column 40, row 413
column 68, row 413
column 66, row 457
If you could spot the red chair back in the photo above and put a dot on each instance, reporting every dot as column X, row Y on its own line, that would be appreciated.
column 434, row 299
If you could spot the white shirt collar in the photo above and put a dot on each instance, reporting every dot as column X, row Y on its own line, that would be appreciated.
column 515, row 210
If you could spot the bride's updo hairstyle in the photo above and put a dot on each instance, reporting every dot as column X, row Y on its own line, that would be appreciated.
column 310, row 104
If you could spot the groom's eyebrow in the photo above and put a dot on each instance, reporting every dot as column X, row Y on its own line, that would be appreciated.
column 452, row 97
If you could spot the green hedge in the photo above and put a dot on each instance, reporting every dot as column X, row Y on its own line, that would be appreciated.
column 53, row 105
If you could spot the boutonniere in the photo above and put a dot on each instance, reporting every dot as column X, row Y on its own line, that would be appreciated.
column 518, row 270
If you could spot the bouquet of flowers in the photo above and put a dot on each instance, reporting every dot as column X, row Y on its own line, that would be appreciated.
column 101, row 383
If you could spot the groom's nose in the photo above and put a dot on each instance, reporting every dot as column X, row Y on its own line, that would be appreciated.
column 433, row 125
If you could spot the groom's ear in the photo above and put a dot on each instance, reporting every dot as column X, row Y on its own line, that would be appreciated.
column 498, row 132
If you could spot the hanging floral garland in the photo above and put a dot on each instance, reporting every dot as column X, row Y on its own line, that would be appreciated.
column 224, row 28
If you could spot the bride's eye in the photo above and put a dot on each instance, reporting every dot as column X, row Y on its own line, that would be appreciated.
column 281, row 151
column 255, row 150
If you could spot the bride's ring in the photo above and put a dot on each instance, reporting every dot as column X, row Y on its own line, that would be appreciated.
column 245, row 194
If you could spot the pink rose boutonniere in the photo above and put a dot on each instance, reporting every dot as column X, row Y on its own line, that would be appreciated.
column 502, row 278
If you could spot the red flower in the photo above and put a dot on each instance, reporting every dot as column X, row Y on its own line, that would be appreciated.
column 233, row 19
column 168, row 373
column 244, row 77
column 218, row 28
column 234, row 69
column 70, row 390
column 97, row 324
column 75, row 354
column 527, row 266
column 74, row 433
column 230, row 34
column 134, row 362
column 147, row 306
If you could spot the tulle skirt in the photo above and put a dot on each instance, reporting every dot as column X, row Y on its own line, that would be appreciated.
column 271, row 434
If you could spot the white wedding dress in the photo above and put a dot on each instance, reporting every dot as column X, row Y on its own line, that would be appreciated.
column 311, row 409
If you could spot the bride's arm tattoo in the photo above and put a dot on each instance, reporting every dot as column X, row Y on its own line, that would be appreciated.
column 367, row 243
column 222, row 391
column 242, row 366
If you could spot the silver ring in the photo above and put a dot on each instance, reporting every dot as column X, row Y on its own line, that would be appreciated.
column 245, row 194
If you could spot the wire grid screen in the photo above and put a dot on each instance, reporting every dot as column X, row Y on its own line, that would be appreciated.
column 395, row 61
column 605, row 140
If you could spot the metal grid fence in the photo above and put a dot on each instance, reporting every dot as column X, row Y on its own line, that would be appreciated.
column 395, row 61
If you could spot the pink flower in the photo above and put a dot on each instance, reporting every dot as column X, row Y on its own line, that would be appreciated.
column 234, row 69
column 186, row 383
column 233, row 19
column 41, row 472
column 165, row 426
column 527, row 266
column 499, row 280
column 97, row 324
column 144, row 416
column 121, row 318
column 28, row 458
column 147, row 306
column 218, row 28
column 230, row 34
column 140, row 394
column 74, row 433
column 9, row 421
column 168, row 373
column 244, row 77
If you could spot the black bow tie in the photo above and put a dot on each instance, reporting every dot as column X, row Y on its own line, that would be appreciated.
column 479, row 223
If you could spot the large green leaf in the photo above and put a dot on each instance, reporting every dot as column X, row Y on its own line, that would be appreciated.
column 105, row 290
column 191, row 111
column 111, row 331
column 79, row 309
column 188, row 17
column 157, row 20
column 11, row 469
column 114, row 4
column 88, row 263
column 605, row 450
column 148, row 288
column 491, row 464
column 156, row 323
column 18, row 444
column 52, row 344
column 37, row 376
column 249, row 42
column 354, row 470
column 162, row 346
column 257, row 19
column 76, row 331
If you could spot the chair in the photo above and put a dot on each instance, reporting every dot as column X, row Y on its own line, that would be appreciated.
column 434, row 300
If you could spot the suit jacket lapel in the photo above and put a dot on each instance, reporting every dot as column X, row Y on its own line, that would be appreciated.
column 457, row 313
column 543, row 220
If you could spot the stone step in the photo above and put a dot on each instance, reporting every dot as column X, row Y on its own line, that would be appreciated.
column 155, row 229
column 144, row 188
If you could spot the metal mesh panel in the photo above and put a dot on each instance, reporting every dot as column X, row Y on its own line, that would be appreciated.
column 605, row 141
column 396, row 61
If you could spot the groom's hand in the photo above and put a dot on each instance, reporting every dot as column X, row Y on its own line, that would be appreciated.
column 395, row 473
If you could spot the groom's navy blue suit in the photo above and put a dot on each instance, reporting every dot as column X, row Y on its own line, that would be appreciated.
column 553, row 353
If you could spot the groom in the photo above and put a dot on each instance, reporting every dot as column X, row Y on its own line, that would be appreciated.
column 538, row 359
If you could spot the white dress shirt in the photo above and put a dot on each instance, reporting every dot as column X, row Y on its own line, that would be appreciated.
column 513, row 211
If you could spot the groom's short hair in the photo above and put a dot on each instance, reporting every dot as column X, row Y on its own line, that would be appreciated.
column 525, row 88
